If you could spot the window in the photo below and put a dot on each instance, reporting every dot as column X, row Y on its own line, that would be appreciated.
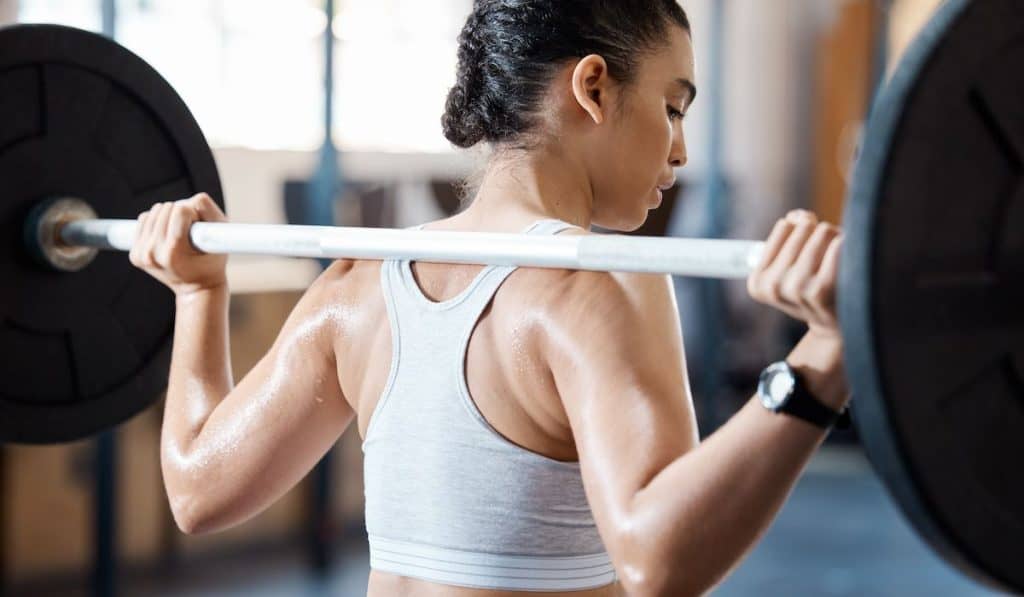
column 252, row 72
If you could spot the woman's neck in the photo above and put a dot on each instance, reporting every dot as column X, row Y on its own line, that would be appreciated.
column 542, row 183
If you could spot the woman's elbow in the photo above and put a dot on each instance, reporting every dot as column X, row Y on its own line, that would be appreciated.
column 647, row 569
column 639, row 570
column 189, row 513
column 183, row 483
column 187, row 501
column 200, row 508
column 656, row 582
column 661, row 580
column 645, row 582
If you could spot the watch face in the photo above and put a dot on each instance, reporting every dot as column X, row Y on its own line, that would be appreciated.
column 776, row 386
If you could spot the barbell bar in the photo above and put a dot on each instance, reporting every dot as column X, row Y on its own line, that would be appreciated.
column 683, row 257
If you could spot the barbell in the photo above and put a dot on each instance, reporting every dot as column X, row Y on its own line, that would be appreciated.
column 931, row 294
column 60, row 237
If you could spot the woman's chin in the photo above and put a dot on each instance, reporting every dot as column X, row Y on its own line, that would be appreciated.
column 624, row 221
column 634, row 223
column 658, row 198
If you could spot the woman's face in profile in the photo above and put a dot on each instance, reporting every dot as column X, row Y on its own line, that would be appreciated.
column 644, row 142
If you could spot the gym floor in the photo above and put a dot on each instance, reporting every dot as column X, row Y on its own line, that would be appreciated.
column 839, row 534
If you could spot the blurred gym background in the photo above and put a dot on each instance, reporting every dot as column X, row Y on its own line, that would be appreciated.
column 785, row 87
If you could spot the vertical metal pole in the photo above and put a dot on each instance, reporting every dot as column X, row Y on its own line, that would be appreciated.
column 326, row 183
column 105, row 493
column 329, row 74
column 109, row 12
column 321, row 522
column 712, row 294
column 322, row 191
column 105, row 516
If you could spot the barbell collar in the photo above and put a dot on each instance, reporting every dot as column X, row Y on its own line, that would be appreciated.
column 42, row 238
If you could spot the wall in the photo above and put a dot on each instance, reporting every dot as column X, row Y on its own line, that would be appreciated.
column 253, row 182
column 8, row 11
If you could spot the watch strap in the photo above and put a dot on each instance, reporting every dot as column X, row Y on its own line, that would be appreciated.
column 803, row 405
column 845, row 420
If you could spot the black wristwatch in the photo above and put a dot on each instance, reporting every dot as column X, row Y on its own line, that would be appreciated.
column 782, row 390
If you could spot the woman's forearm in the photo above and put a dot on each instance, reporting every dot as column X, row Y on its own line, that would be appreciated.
column 703, row 512
column 200, row 375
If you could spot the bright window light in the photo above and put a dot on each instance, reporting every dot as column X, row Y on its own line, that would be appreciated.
column 252, row 72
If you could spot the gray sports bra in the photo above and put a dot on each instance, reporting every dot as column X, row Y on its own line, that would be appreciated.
column 448, row 499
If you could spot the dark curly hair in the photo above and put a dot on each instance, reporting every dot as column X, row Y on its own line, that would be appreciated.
column 509, row 50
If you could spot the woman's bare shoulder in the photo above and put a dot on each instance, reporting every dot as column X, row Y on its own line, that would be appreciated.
column 347, row 295
column 578, row 296
column 598, row 317
column 348, row 277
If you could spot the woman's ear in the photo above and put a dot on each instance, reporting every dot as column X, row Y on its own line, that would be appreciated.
column 590, row 84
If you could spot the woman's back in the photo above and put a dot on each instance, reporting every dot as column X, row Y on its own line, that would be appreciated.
column 437, row 477
column 505, row 375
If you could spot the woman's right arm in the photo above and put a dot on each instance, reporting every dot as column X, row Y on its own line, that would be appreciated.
column 228, row 452
column 677, row 515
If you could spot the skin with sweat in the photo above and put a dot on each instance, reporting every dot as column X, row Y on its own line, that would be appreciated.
column 573, row 365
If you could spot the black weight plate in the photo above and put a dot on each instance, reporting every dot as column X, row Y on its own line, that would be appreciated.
column 932, row 287
column 83, row 117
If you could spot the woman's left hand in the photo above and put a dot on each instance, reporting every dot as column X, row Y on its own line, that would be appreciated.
column 799, row 272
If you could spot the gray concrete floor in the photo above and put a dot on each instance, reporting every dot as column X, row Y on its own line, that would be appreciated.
column 839, row 534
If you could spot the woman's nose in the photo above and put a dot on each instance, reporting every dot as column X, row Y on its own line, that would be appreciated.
column 677, row 157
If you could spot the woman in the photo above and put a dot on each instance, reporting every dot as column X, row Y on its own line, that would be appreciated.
column 524, row 429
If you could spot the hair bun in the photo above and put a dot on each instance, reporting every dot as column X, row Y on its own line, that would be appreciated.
column 461, row 122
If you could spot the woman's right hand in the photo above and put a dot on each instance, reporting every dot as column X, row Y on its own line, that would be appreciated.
column 799, row 271
column 162, row 247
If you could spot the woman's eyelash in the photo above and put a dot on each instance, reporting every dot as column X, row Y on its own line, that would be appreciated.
column 674, row 114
